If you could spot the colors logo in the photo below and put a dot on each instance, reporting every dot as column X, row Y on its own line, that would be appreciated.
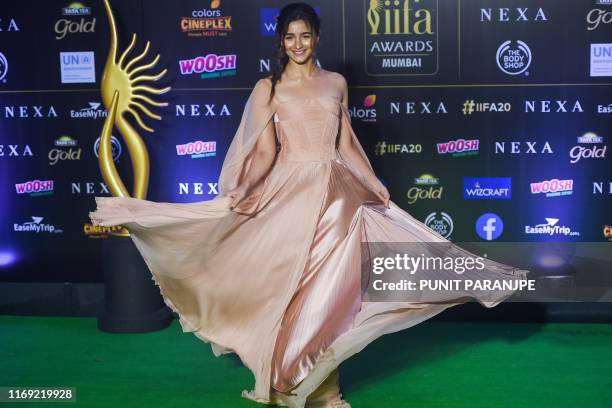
column 209, row 66
column 368, row 112
column 197, row 149
column 491, row 188
column 459, row 147
column 553, row 187
column 35, row 187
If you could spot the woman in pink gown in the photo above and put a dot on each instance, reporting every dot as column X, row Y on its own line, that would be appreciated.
column 271, row 268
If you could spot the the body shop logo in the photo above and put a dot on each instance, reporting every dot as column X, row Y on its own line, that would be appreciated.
column 93, row 111
column 553, row 187
column 483, row 188
column 513, row 58
column 65, row 26
column 418, row 108
column 470, row 106
column 207, row 22
column 459, row 147
column 115, row 148
column 441, row 222
column 13, row 150
column 197, row 149
column 383, row 147
column 401, row 37
column 37, row 226
column 209, row 66
column 424, row 189
column 591, row 150
column 35, row 187
column 61, row 154
column 3, row 68
column 551, row 227
column 368, row 112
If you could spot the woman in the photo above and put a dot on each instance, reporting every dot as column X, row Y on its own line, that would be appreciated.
column 271, row 269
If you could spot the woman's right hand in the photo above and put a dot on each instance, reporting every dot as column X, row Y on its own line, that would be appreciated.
column 237, row 195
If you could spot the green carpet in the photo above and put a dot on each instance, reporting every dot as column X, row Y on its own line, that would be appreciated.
column 435, row 364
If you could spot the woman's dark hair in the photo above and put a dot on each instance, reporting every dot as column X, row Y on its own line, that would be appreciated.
column 291, row 12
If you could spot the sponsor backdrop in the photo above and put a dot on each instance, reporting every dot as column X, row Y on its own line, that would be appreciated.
column 487, row 119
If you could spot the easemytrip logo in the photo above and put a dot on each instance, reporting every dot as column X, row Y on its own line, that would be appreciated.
column 553, row 187
column 209, row 66
column 401, row 37
column 489, row 226
column 470, row 106
column 368, row 112
column 382, row 148
column 115, row 148
column 424, row 189
column 604, row 108
column 551, row 228
column 579, row 152
column 99, row 231
column 93, row 111
column 37, row 226
column 268, row 17
column 459, row 147
column 206, row 23
column 601, row 60
column 3, row 68
column 35, row 188
column 514, row 57
column 64, row 26
column 441, row 223
column 197, row 149
column 60, row 154
column 487, row 188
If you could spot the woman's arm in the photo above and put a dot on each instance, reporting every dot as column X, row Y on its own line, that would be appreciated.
column 349, row 152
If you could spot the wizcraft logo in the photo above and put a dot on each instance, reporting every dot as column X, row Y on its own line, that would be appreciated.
column 207, row 23
column 487, row 188
column 470, row 106
column 209, row 66
column 401, row 37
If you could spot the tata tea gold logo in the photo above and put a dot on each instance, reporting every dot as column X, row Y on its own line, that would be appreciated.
column 401, row 37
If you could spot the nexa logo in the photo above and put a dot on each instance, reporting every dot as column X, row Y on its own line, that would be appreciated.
column 523, row 147
column 552, row 106
column 22, row 112
column 202, row 110
column 197, row 188
column 508, row 14
column 15, row 150
column 89, row 188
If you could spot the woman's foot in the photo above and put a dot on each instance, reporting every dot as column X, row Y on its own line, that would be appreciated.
column 328, row 394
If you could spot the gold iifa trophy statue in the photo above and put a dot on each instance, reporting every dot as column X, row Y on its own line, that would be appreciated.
column 123, row 90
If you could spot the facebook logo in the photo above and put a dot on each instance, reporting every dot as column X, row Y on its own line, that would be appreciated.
column 489, row 226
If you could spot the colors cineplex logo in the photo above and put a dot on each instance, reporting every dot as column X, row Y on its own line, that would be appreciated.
column 37, row 226
column 35, row 187
column 550, row 228
column 209, row 66
column 401, row 37
column 578, row 152
column 368, row 112
column 459, row 147
column 197, row 149
column 491, row 188
column 489, row 226
column 470, row 106
column 513, row 58
column 553, row 187
column 607, row 232
column 207, row 23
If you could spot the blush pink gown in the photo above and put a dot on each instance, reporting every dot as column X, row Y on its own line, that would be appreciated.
column 277, row 280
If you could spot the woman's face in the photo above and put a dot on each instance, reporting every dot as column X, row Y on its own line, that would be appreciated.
column 300, row 42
